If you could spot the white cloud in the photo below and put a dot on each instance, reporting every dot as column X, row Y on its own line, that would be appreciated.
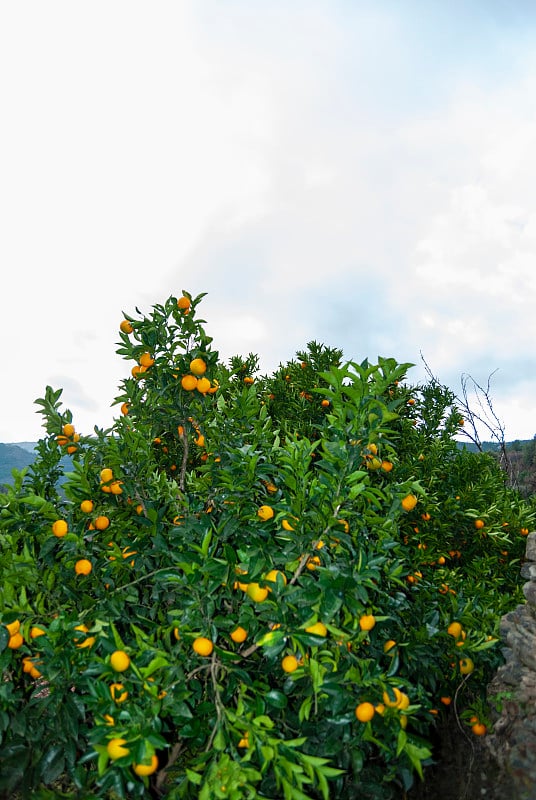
column 323, row 171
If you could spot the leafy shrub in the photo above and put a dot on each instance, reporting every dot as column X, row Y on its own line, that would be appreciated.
column 252, row 591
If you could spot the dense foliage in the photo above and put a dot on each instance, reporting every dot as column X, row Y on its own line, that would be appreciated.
column 251, row 586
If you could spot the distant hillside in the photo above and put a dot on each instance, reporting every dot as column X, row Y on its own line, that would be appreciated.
column 14, row 456
column 521, row 453
column 487, row 447
column 30, row 446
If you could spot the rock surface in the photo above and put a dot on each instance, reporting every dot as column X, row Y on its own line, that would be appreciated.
column 512, row 742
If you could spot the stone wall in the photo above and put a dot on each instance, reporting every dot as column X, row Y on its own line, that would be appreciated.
column 512, row 693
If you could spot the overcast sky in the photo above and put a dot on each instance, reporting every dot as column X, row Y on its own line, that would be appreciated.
column 358, row 173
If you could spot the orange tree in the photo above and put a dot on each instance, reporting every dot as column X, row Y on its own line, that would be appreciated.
column 250, row 586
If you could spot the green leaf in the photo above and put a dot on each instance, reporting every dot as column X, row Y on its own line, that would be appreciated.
column 155, row 664
column 305, row 709
column 219, row 741
column 103, row 759
column 267, row 753
column 194, row 777
column 276, row 698
column 52, row 764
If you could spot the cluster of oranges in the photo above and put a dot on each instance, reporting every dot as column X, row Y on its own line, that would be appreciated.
column 196, row 379
column 68, row 438
column 15, row 636
column 120, row 662
column 393, row 699
column 145, row 361
column 108, row 484
column 30, row 664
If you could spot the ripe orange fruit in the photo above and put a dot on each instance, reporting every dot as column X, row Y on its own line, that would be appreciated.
column 392, row 702
column 81, row 627
column 265, row 513
column 115, row 748
column 83, row 566
column 89, row 642
column 286, row 525
column 126, row 326
column 198, row 367
column 119, row 661
column 403, row 702
column 409, row 502
column 387, row 466
column 479, row 729
column 86, row 506
column 367, row 622
column 388, row 646
column 60, row 528
column 36, row 631
column 239, row 634
column 364, row 712
column 68, row 429
column 257, row 593
column 27, row 664
column 455, row 629
column 313, row 562
column 146, row 360
column 188, row 382
column 203, row 385
column 101, row 523
column 446, row 700
column 118, row 692
column 184, row 303
column 124, row 409
column 202, row 646
column 106, row 475
column 318, row 629
column 466, row 666
column 15, row 641
column 289, row 664
column 146, row 769
column 13, row 627
column 479, row 524
column 272, row 577
column 244, row 741
column 325, row 403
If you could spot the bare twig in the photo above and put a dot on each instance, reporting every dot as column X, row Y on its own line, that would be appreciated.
column 220, row 709
column 182, row 475
column 484, row 417
column 172, row 757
